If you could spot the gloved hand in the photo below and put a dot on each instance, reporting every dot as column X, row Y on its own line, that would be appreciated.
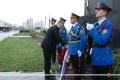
column 90, row 51
column 68, row 58
column 79, row 53
column 89, row 26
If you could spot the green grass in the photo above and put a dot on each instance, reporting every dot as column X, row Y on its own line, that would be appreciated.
column 20, row 54
column 116, row 66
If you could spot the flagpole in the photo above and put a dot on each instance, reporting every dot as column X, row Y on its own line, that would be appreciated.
column 49, row 20
column 63, row 66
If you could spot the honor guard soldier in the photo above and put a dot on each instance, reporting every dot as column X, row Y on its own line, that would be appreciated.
column 48, row 45
column 76, row 44
column 63, row 35
column 101, row 31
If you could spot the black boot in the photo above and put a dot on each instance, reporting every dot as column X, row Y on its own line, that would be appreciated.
column 47, row 77
column 52, row 78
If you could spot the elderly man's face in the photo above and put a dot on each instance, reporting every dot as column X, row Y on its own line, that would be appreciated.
column 99, row 13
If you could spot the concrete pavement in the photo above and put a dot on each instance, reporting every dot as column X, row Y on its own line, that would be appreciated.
column 21, row 36
column 21, row 76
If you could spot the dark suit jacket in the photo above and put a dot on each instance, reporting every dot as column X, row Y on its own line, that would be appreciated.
column 52, row 38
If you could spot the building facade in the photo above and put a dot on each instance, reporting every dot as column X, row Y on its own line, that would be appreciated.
column 30, row 23
column 4, row 26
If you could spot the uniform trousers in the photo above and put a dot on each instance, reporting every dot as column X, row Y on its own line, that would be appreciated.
column 102, row 70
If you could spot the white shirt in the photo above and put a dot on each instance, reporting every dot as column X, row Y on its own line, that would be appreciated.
column 101, row 21
column 74, row 24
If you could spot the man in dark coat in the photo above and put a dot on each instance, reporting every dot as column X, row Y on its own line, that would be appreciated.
column 53, row 21
column 48, row 45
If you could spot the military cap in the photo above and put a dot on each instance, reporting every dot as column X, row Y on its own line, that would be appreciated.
column 103, row 6
column 53, row 19
column 75, row 15
column 62, row 19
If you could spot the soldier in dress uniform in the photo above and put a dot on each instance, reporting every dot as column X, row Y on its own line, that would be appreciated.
column 48, row 45
column 100, row 32
column 76, row 44
column 63, row 35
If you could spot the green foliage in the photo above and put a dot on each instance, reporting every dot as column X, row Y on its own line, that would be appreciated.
column 22, row 34
column 22, row 29
column 54, row 66
column 33, row 34
column 36, row 34
column 116, row 66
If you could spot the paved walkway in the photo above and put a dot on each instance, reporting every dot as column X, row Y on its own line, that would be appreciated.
column 21, row 76
column 21, row 36
column 4, row 35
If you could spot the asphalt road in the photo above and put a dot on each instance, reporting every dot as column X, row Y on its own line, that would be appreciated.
column 4, row 35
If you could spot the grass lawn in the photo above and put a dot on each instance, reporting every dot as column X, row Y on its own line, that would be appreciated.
column 116, row 66
column 20, row 54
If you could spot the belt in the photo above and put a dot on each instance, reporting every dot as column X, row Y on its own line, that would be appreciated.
column 76, row 41
column 100, row 46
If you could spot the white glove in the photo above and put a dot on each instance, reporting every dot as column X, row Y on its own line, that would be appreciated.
column 79, row 53
column 90, row 51
column 68, row 58
column 89, row 26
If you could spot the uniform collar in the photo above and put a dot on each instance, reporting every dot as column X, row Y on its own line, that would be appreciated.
column 74, row 24
column 101, row 21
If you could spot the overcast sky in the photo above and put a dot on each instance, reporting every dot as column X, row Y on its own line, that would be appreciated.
column 18, row 11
